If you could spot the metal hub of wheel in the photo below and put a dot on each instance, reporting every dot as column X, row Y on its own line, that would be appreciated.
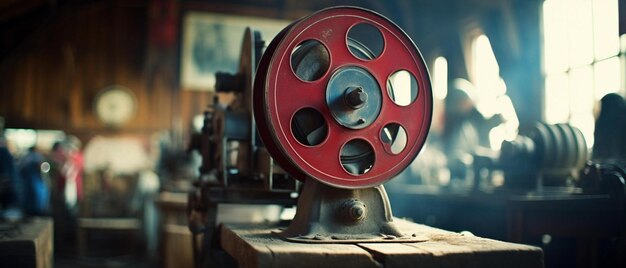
column 343, row 96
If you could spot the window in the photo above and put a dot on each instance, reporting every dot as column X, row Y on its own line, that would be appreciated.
column 440, row 78
column 22, row 139
column 581, row 64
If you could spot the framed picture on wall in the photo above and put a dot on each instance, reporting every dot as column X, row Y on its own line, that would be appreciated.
column 212, row 42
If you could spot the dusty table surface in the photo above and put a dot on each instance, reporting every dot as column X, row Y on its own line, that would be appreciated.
column 257, row 246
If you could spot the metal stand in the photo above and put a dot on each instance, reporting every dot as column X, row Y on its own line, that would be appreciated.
column 327, row 214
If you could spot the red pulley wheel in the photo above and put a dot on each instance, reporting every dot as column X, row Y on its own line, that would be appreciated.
column 343, row 96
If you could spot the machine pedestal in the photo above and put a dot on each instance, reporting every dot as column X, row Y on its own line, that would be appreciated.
column 327, row 214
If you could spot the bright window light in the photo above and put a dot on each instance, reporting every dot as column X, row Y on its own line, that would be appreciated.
column 401, row 82
column 440, row 78
column 487, row 79
column 605, row 28
column 580, row 30
column 491, row 98
column 607, row 77
column 555, row 38
column 581, row 84
column 22, row 139
column 557, row 99
column 486, row 69
column 581, row 61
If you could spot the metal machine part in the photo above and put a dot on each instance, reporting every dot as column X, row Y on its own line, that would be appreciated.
column 550, row 153
column 236, row 167
column 343, row 102
column 232, row 152
column 605, row 177
column 334, row 215
column 281, row 95
column 354, row 97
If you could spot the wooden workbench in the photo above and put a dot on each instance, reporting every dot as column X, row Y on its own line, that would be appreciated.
column 256, row 246
column 27, row 244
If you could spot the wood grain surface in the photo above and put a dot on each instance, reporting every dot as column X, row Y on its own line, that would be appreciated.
column 257, row 246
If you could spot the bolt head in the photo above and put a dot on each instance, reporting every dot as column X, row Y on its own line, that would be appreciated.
column 356, row 210
column 355, row 97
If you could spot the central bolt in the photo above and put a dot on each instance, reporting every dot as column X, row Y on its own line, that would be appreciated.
column 355, row 97
column 355, row 210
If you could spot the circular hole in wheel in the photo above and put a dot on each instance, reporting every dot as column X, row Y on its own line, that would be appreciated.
column 357, row 157
column 394, row 137
column 310, row 60
column 365, row 41
column 402, row 87
column 309, row 127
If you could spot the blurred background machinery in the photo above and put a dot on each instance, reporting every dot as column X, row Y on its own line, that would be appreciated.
column 236, row 168
column 549, row 155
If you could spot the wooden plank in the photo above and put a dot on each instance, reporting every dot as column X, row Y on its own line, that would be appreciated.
column 109, row 223
column 256, row 246
column 398, row 255
column 449, row 249
column 178, row 252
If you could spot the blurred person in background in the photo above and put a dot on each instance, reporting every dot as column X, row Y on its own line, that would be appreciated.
column 9, row 181
column 57, row 160
column 73, row 168
column 466, row 130
column 35, row 189
column 66, row 175
column 67, row 167
column 610, row 129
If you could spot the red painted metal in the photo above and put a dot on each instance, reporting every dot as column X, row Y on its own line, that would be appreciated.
column 279, row 94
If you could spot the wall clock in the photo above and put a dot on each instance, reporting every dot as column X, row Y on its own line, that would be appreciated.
column 115, row 105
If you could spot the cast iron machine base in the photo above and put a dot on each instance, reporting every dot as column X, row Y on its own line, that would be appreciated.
column 333, row 215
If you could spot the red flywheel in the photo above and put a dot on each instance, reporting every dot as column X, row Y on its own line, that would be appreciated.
column 343, row 96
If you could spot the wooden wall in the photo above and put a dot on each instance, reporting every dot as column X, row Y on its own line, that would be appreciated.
column 52, row 83
column 52, row 77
